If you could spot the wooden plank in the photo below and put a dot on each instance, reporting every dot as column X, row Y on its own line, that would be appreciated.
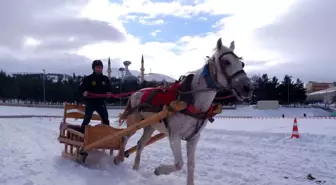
column 70, row 142
column 97, row 132
column 79, row 114
column 75, row 132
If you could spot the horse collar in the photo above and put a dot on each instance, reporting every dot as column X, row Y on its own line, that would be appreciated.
column 207, row 77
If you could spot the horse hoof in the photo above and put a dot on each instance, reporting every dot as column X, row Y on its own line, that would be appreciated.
column 116, row 161
column 156, row 172
column 136, row 168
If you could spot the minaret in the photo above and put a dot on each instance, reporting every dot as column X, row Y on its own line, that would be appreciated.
column 142, row 69
column 109, row 70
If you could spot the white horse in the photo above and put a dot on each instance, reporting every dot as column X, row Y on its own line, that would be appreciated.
column 222, row 70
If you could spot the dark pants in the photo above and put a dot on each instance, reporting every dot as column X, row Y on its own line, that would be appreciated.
column 100, row 108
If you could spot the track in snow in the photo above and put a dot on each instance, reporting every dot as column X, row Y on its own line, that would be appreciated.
column 30, row 155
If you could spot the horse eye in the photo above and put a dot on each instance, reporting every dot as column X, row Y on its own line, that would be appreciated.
column 226, row 62
column 243, row 64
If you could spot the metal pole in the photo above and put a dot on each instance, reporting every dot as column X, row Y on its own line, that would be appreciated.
column 326, row 98
column 289, row 82
column 44, row 85
column 120, row 74
column 120, row 93
column 288, row 93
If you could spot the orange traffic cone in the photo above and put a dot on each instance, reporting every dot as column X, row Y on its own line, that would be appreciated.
column 295, row 132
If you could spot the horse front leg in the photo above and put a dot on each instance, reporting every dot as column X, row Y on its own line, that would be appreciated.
column 147, row 133
column 175, row 144
column 131, row 119
column 121, row 154
column 191, row 150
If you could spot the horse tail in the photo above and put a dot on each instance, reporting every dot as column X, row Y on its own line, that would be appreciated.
column 126, row 113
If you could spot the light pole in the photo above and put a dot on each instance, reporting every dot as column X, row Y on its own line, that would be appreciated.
column 326, row 98
column 44, row 86
column 289, row 82
column 121, row 75
column 288, row 93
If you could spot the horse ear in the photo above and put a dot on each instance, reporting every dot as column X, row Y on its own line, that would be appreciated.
column 232, row 45
column 219, row 44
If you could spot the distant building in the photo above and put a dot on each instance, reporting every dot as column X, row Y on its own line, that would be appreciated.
column 312, row 86
column 326, row 95
column 268, row 104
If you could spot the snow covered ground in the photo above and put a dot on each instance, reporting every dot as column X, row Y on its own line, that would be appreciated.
column 231, row 151
column 244, row 111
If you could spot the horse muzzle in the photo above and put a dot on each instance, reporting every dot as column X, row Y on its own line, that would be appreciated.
column 242, row 88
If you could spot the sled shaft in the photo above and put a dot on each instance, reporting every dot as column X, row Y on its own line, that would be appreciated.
column 153, row 139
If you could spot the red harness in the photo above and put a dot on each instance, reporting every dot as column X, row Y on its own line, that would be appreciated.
column 159, row 96
column 162, row 96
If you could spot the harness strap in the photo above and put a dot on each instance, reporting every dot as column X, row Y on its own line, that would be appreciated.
column 193, row 112
column 185, row 86
column 151, row 95
column 197, row 129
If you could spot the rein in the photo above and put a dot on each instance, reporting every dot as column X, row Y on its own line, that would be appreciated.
column 93, row 95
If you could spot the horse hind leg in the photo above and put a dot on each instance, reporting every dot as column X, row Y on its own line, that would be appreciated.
column 147, row 133
column 165, row 169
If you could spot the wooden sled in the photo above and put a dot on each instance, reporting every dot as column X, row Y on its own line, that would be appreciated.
column 74, row 140
column 104, row 137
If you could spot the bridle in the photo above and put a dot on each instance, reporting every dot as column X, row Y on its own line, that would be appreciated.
column 214, row 72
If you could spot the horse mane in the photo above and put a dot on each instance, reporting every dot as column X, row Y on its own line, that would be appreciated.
column 208, row 59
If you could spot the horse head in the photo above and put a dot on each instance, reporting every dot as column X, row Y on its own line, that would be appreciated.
column 227, row 71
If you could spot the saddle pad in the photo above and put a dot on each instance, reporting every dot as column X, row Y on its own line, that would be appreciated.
column 160, row 97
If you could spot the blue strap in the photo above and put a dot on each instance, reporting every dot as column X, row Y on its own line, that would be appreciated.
column 206, row 75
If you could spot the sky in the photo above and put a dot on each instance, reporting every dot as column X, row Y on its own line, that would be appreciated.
column 277, row 37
